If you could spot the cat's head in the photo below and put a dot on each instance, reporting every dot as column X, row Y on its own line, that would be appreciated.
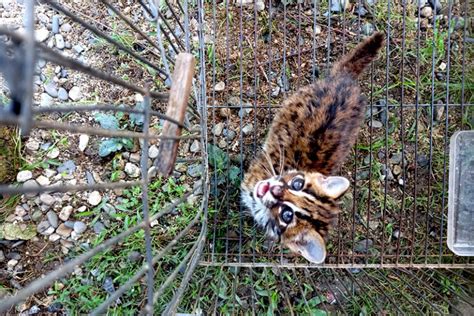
column 302, row 206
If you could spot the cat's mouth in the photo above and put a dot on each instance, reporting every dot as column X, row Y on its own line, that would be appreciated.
column 263, row 192
column 262, row 189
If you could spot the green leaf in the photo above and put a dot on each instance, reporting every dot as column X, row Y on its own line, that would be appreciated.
column 262, row 292
column 107, row 121
column 315, row 301
column 234, row 173
column 109, row 146
column 217, row 157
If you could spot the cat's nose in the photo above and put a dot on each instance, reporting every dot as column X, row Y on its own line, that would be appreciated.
column 277, row 191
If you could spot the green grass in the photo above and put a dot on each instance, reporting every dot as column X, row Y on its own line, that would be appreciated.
column 83, row 292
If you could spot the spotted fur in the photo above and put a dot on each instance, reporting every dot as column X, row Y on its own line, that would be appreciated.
column 310, row 138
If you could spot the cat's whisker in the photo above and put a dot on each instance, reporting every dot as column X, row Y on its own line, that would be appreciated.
column 269, row 160
column 265, row 168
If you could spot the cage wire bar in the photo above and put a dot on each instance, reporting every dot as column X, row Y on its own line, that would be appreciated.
column 396, row 222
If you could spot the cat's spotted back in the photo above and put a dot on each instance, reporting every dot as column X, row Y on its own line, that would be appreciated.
column 290, row 187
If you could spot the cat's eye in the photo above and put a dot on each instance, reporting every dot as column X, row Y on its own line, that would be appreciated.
column 286, row 214
column 297, row 184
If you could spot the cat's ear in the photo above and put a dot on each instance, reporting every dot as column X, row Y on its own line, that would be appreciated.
column 309, row 244
column 333, row 187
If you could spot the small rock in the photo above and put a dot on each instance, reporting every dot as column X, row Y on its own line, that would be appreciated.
column 225, row 112
column 195, row 170
column 132, row 170
column 229, row 134
column 47, row 199
column 66, row 28
column 439, row 108
column 98, row 228
column 43, row 227
column 396, row 233
column 41, row 35
column 401, row 182
column 396, row 158
column 79, row 227
column 152, row 172
column 53, row 153
column 55, row 24
column 2, row 256
column 54, row 237
column 222, row 143
column 422, row 161
column 17, row 231
column 30, row 184
column 69, row 224
column 375, row 124
column 52, row 218
column 442, row 66
column 46, row 100
column 386, row 173
column 134, row 256
column 24, row 176
column 75, row 93
column 69, row 167
column 234, row 101
column 218, row 128
column 135, row 158
column 339, row 5
column 260, row 6
column 426, row 12
column 78, row 48
column 63, row 231
column 43, row 181
column 65, row 213
column 361, row 11
column 94, row 198
column 397, row 170
column 367, row 29
column 36, row 216
column 51, row 89
column 181, row 167
column 83, row 141
column 12, row 263
column 59, row 39
column 153, row 152
column 246, row 111
column 34, row 310
column 362, row 175
column 363, row 245
column 276, row 91
column 436, row 5
column 195, row 146
column 220, row 86
column 49, row 173
column 247, row 129
column 62, row 94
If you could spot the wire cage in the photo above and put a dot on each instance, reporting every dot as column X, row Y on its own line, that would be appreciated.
column 249, row 57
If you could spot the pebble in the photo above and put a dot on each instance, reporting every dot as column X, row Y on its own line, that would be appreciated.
column 132, row 170
column 51, row 89
column 43, row 227
column 363, row 245
column 153, row 152
column 396, row 158
column 422, row 161
column 42, row 34
column 135, row 158
column 94, row 198
column 55, row 24
column 53, row 153
column 401, row 182
column 24, row 176
column 66, row 28
column 439, row 108
column 222, row 143
column 362, row 175
column 46, row 100
column 65, row 213
column 47, row 199
column 220, row 86
column 52, row 218
column 426, row 12
column 69, row 224
column 2, row 256
column 83, row 141
column 152, row 172
column 194, row 170
column 229, row 134
column 247, row 129
column 43, row 181
column 397, row 170
column 49, row 173
column 98, row 228
column 276, row 91
column 31, row 184
column 225, row 112
column 79, row 227
column 20, row 211
column 134, row 256
column 69, row 167
column 75, row 93
column 54, row 237
column 386, row 172
column 368, row 29
column 62, row 94
column 36, row 216
column 339, row 5
column 361, row 11
column 375, row 124
column 195, row 146
column 435, row 4
column 245, row 112
column 217, row 129
column 181, row 167
column 63, row 231
column 260, row 6
column 78, row 48
column 234, row 101
column 12, row 263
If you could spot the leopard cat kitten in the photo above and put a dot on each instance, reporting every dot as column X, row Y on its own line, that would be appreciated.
column 290, row 187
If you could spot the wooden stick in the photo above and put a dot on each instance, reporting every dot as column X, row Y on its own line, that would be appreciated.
column 177, row 104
